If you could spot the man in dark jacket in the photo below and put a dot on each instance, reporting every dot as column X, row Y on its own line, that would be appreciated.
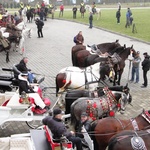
column 79, row 38
column 91, row 20
column 145, row 67
column 74, row 9
column 59, row 129
column 40, row 25
column 22, row 67
column 118, row 15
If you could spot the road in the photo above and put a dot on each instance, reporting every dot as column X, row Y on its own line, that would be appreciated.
column 53, row 52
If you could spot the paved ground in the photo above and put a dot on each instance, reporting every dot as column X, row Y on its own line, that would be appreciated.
column 53, row 52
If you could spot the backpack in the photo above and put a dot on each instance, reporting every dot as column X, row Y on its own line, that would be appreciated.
column 75, row 39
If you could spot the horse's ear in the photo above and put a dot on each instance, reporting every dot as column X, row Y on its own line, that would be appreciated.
column 124, row 46
column 143, row 110
column 117, row 41
column 126, row 85
column 132, row 46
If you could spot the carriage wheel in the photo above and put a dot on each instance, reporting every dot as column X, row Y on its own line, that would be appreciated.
column 34, row 124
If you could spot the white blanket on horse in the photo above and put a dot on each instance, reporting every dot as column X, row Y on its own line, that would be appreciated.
column 78, row 78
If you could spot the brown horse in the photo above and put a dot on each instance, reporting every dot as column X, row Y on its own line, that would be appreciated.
column 80, row 53
column 130, row 140
column 74, row 50
column 107, row 127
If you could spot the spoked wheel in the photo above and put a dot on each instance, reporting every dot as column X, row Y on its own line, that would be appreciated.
column 34, row 124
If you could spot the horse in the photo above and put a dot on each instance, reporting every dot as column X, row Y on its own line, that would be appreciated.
column 82, row 11
column 98, row 107
column 121, row 54
column 107, row 127
column 97, row 11
column 130, row 140
column 68, row 78
column 30, row 14
column 79, row 53
column 73, row 95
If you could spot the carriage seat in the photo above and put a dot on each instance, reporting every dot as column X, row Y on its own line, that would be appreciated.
column 14, row 102
column 7, row 77
column 5, row 83
column 16, row 71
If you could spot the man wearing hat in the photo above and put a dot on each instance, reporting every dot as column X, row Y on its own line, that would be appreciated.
column 145, row 67
column 135, row 67
column 59, row 129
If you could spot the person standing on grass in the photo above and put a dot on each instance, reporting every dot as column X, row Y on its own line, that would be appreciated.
column 118, row 15
column 74, row 9
column 91, row 20
column 61, row 10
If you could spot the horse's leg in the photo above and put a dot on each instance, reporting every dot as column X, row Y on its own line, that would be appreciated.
column 119, row 77
column 7, row 56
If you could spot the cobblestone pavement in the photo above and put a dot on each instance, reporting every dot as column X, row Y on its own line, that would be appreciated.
column 53, row 52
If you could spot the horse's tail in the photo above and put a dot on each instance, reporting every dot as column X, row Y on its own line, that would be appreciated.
column 57, row 87
column 73, row 118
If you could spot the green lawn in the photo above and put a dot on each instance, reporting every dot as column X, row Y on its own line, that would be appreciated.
column 108, row 21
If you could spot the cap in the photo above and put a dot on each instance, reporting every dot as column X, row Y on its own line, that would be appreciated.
column 24, row 73
column 84, row 114
column 145, row 53
column 57, row 111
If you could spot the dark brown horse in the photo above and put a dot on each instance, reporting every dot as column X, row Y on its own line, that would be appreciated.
column 80, row 53
column 107, row 127
column 74, row 50
column 122, row 54
column 130, row 140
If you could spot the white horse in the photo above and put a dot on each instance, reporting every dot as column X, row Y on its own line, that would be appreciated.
column 77, row 78
column 23, row 15
column 98, row 11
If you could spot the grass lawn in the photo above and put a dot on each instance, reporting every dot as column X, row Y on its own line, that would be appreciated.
column 108, row 21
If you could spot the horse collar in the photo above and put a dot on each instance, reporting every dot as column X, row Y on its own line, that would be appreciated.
column 134, row 124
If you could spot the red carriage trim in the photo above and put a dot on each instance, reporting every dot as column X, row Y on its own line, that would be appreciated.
column 146, row 116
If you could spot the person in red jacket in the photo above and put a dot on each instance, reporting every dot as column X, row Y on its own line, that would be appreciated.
column 61, row 10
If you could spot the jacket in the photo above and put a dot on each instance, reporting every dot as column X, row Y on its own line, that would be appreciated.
column 39, row 24
column 57, row 127
column 146, row 63
column 22, row 66
column 79, row 39
column 24, row 85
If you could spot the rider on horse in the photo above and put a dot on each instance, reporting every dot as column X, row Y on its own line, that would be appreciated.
column 38, row 7
column 28, row 7
column 82, row 5
column 50, row 7
column 94, row 8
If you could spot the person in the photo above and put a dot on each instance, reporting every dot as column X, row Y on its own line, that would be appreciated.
column 25, row 87
column 59, row 129
column 91, row 20
column 79, row 38
column 94, row 8
column 87, row 125
column 119, row 5
column 41, row 15
column 42, row 4
column 28, row 7
column 21, row 5
column 40, row 25
column 145, row 68
column 118, row 15
column 38, row 8
column 135, row 67
column 22, row 67
column 74, row 9
column 16, row 18
column 128, row 15
column 82, row 5
column 61, row 10
column 131, row 19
